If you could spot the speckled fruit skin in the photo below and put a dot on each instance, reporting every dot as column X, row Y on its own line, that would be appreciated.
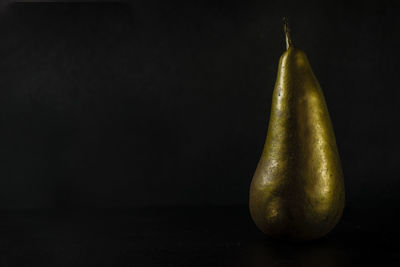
column 297, row 191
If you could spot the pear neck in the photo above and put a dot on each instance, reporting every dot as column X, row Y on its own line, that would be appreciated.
column 286, row 29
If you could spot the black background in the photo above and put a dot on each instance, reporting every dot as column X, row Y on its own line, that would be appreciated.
column 155, row 103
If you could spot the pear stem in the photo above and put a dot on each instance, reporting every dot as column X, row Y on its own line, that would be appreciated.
column 286, row 29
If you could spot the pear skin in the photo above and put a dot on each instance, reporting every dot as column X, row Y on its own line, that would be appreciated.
column 297, row 191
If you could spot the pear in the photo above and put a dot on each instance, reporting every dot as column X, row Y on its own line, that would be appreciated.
column 297, row 191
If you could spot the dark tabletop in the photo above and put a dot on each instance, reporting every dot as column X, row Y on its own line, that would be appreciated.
column 185, row 236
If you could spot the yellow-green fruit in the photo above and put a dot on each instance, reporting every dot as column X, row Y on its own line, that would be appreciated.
column 297, row 191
